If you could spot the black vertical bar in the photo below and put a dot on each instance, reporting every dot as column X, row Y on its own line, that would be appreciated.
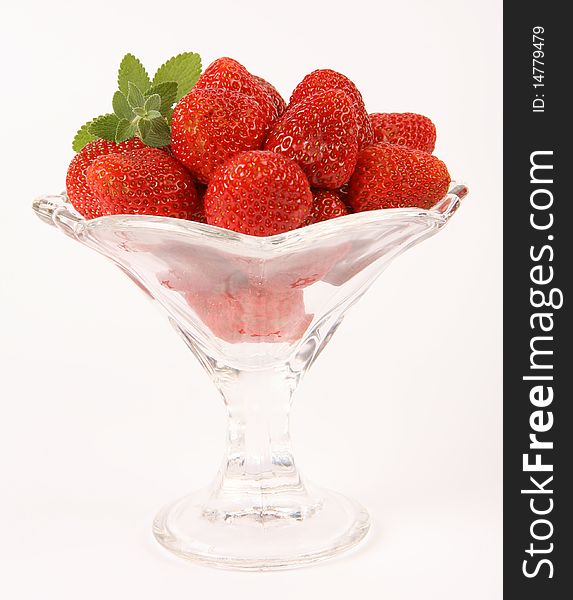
column 538, row 258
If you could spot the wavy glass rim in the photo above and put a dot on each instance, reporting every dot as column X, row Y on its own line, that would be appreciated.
column 58, row 211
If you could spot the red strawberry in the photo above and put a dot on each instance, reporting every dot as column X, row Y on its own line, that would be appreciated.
column 209, row 126
column 252, row 314
column 76, row 183
column 326, row 79
column 404, row 129
column 326, row 204
column 146, row 181
column 320, row 133
column 278, row 101
column 258, row 193
column 228, row 74
column 389, row 176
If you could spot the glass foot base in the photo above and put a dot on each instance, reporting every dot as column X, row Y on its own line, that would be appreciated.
column 255, row 539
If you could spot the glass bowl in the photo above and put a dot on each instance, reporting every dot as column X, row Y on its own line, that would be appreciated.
column 256, row 312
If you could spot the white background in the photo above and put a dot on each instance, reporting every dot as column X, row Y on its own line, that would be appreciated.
column 105, row 416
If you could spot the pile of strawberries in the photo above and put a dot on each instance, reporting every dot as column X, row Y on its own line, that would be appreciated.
column 233, row 154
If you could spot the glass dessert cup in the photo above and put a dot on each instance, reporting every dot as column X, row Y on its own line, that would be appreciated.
column 256, row 312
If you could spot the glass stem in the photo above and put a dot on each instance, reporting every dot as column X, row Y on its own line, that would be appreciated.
column 258, row 476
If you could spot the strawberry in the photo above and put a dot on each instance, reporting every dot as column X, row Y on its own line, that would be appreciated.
column 404, row 129
column 79, row 193
column 211, row 125
column 326, row 204
column 228, row 74
column 146, row 181
column 320, row 133
column 252, row 314
column 389, row 176
column 258, row 193
column 326, row 79
column 278, row 101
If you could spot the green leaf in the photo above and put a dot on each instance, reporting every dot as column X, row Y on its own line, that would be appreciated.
column 134, row 96
column 132, row 71
column 167, row 91
column 184, row 69
column 152, row 102
column 121, row 106
column 143, row 128
column 82, row 137
column 104, row 126
column 126, row 129
column 154, row 133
